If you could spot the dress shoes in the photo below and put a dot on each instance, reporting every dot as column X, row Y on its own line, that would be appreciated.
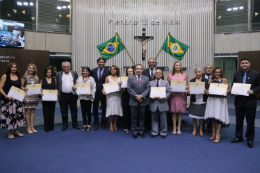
column 236, row 140
column 250, row 144
column 64, row 128
column 76, row 127
column 104, row 126
column 142, row 135
column 153, row 136
column 134, row 136
column 95, row 127
column 163, row 137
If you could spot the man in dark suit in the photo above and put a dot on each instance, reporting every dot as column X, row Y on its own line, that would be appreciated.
column 138, row 87
column 99, row 74
column 149, row 72
column 65, row 80
column 246, row 105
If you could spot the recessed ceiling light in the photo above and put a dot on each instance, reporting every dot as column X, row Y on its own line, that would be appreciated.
column 59, row 8
column 64, row 7
column 68, row 6
column 229, row 9
column 219, row 17
column 31, row 4
column 25, row 3
column 241, row 8
column 19, row 3
column 235, row 8
column 256, row 14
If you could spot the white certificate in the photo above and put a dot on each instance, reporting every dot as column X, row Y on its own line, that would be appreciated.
column 240, row 89
column 178, row 85
column 111, row 87
column 83, row 89
column 218, row 89
column 49, row 95
column 16, row 93
column 197, row 87
column 33, row 89
column 158, row 92
column 124, row 82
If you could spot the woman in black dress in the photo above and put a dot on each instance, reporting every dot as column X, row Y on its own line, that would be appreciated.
column 125, row 103
column 12, row 110
column 48, row 107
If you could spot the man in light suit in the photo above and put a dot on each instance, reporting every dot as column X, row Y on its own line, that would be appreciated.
column 138, row 89
column 65, row 80
column 246, row 105
column 159, row 106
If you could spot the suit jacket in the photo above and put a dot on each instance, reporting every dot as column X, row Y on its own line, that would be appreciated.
column 253, row 78
column 133, row 90
column 99, row 83
column 59, row 80
column 162, row 105
column 203, row 76
column 146, row 72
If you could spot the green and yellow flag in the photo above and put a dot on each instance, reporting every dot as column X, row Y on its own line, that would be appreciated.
column 111, row 47
column 174, row 47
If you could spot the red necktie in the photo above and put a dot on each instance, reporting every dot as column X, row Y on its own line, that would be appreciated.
column 139, row 81
column 99, row 75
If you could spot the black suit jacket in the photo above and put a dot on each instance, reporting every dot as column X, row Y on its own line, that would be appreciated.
column 253, row 78
column 99, row 83
column 147, row 73
column 203, row 76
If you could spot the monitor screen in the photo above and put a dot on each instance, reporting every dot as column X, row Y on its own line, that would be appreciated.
column 11, row 34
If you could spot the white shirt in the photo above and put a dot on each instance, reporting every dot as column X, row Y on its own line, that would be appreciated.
column 138, row 77
column 67, row 83
column 152, row 71
column 158, row 81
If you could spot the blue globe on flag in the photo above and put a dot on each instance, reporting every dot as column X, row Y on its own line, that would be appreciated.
column 110, row 47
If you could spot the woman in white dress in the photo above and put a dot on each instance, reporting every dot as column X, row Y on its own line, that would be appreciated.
column 217, row 108
column 114, row 104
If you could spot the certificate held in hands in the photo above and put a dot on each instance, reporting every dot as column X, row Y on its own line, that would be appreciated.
column 240, row 89
column 111, row 87
column 218, row 89
column 197, row 87
column 16, row 93
column 158, row 92
column 49, row 95
column 178, row 85
column 83, row 89
column 124, row 82
column 33, row 89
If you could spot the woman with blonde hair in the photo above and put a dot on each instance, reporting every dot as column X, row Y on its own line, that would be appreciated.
column 30, row 102
column 178, row 100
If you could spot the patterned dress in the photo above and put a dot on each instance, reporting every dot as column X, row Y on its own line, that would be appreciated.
column 178, row 101
column 32, row 100
column 12, row 115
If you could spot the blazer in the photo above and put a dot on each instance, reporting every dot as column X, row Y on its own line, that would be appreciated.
column 59, row 80
column 162, row 105
column 133, row 90
column 146, row 72
column 193, row 96
column 253, row 78
column 99, row 83
column 203, row 76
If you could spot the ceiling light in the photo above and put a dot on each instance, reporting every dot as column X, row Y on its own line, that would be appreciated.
column 59, row 8
column 57, row 20
column 19, row 3
column 32, row 18
column 15, row 11
column 25, row 3
column 68, row 6
column 219, row 17
column 23, row 11
column 60, row 15
column 31, row 4
column 68, row 16
column 9, row 15
column 229, row 9
column 256, row 14
column 235, row 8
column 64, row 7
column 241, row 8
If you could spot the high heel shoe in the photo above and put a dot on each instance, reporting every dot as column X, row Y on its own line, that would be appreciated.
column 115, row 127
column 84, row 128
column 174, row 130
column 179, row 131
column 194, row 133
column 10, row 136
column 17, row 133
column 34, row 131
column 201, row 134
column 212, row 137
column 89, row 128
column 217, row 139
column 111, row 127
column 126, row 130
column 29, row 131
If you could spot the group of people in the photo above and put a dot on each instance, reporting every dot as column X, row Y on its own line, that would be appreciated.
column 140, row 112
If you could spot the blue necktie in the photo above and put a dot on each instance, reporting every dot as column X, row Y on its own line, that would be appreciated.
column 157, row 84
column 244, row 78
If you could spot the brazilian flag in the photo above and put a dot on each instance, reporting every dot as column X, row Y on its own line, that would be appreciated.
column 174, row 47
column 111, row 47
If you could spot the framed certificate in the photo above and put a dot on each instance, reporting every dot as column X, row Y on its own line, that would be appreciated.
column 49, row 95
column 33, row 89
column 111, row 87
column 218, row 89
column 178, row 85
column 83, row 89
column 16, row 93
column 124, row 82
column 197, row 87
column 240, row 89
column 158, row 92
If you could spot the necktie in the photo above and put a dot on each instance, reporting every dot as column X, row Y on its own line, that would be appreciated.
column 244, row 78
column 139, row 81
column 152, row 73
column 99, row 75
column 157, row 84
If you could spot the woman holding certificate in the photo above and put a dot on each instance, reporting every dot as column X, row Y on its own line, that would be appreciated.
column 87, row 98
column 198, row 99
column 114, row 105
column 30, row 101
column 12, row 110
column 217, row 108
column 48, row 107
column 178, row 98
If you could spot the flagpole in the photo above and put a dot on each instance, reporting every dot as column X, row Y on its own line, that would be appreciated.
column 126, row 50
column 161, row 48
